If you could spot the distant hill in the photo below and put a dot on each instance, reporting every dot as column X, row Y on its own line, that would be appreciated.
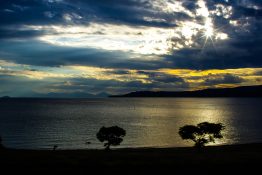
column 5, row 97
column 62, row 95
column 73, row 95
column 244, row 91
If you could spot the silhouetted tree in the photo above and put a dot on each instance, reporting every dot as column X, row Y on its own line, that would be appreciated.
column 111, row 135
column 202, row 134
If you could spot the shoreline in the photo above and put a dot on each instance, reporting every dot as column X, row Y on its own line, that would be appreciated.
column 129, row 148
column 188, row 160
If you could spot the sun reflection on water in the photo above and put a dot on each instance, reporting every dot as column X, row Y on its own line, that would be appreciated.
column 148, row 122
column 163, row 119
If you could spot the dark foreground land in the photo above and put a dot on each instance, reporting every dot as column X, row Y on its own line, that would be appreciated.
column 233, row 159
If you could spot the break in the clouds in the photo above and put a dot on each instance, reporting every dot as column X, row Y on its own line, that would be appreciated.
column 117, row 46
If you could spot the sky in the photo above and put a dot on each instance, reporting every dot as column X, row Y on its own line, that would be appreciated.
column 73, row 47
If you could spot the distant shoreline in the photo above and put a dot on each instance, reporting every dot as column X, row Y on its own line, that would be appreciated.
column 112, row 97
column 243, row 91
column 116, row 149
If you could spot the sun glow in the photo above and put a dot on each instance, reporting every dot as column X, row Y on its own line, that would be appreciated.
column 208, row 28
column 187, row 32
column 203, row 10
column 109, row 37
column 141, row 40
column 190, row 33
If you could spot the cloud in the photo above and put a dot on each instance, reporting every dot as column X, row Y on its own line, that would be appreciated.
column 224, row 79
column 160, row 77
column 108, row 37
column 184, row 42
column 121, row 46
column 48, row 55
column 82, row 12
column 17, row 86
column 219, row 58
column 75, row 80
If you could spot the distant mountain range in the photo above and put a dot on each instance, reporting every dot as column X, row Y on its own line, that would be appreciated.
column 73, row 95
column 244, row 91
column 65, row 95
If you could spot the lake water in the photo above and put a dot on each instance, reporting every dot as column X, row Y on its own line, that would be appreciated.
column 149, row 122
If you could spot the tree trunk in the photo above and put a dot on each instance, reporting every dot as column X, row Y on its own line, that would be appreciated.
column 107, row 147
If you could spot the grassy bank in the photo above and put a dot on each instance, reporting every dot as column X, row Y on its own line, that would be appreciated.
column 229, row 159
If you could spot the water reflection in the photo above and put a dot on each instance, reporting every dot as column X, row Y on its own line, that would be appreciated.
column 148, row 122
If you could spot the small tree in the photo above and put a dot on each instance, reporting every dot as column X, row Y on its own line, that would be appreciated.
column 112, row 136
column 202, row 134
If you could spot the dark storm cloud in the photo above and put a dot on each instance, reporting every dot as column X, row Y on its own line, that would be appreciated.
column 158, row 77
column 11, row 33
column 44, row 54
column 225, row 79
column 44, row 12
column 131, row 12
column 77, row 85
column 230, row 57
column 248, row 12
column 121, row 72
column 15, row 12
column 112, row 86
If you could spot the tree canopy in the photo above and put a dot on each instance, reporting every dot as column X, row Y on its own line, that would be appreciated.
column 111, row 135
column 202, row 133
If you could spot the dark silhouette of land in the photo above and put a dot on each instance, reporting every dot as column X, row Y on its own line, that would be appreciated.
column 53, row 95
column 231, row 159
column 244, row 91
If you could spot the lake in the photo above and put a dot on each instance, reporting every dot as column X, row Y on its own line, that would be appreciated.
column 149, row 122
